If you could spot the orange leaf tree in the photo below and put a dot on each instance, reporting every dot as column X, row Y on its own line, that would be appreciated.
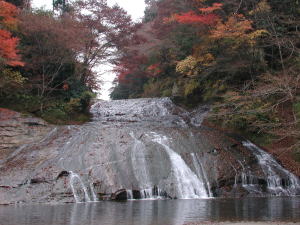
column 207, row 16
column 8, row 43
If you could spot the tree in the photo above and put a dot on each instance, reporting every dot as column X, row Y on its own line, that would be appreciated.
column 9, row 57
column 8, row 43
column 109, row 30
column 50, row 47
column 62, row 5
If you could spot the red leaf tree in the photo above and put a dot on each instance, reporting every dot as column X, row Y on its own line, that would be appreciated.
column 207, row 16
column 8, row 43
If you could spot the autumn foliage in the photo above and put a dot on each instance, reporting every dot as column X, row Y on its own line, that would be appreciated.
column 214, row 7
column 193, row 18
column 8, row 13
column 61, row 50
column 207, row 17
column 8, row 50
column 8, row 43
column 242, row 57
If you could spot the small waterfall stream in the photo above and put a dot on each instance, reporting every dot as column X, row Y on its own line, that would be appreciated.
column 139, row 163
column 201, row 173
column 129, row 194
column 77, row 186
column 276, row 183
column 94, row 195
column 152, row 193
column 188, row 185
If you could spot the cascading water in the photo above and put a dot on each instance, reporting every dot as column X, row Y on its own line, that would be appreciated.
column 188, row 185
column 279, row 180
column 152, row 193
column 94, row 195
column 139, row 163
column 141, row 149
column 201, row 173
column 146, row 194
column 247, row 179
column 129, row 194
column 77, row 187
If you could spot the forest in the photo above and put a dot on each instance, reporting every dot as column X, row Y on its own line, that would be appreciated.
column 48, row 58
column 240, row 57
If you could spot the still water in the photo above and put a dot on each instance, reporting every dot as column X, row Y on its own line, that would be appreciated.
column 160, row 212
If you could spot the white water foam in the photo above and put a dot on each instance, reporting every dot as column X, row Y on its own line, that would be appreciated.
column 271, row 169
column 201, row 173
column 73, row 178
column 188, row 185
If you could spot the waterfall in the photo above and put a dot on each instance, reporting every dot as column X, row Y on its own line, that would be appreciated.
column 129, row 194
column 187, row 183
column 152, row 193
column 248, row 181
column 146, row 194
column 95, row 199
column 76, row 193
column 139, row 163
column 272, row 170
column 201, row 173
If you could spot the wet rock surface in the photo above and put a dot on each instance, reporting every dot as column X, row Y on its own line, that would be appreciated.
column 140, row 148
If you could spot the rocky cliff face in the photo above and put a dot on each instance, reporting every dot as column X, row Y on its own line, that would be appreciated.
column 17, row 130
column 144, row 148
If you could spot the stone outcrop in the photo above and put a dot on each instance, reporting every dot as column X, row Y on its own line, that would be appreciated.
column 144, row 148
column 17, row 129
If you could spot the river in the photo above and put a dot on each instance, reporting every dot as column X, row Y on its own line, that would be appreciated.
column 154, row 212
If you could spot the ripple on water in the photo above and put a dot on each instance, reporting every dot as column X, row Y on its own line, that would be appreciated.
column 161, row 212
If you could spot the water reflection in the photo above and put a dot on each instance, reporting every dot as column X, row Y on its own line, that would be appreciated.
column 164, row 212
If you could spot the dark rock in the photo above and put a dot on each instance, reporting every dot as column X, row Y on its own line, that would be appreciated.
column 136, row 194
column 63, row 174
column 38, row 181
column 120, row 195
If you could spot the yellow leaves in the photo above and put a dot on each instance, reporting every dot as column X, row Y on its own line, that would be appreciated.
column 192, row 66
column 258, row 33
column 262, row 7
column 187, row 66
column 10, row 78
